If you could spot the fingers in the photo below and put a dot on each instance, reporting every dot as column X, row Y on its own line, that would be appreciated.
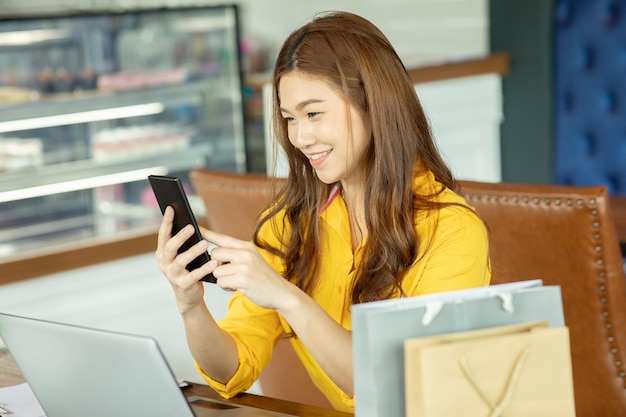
column 176, row 270
column 229, row 276
column 183, row 259
column 246, row 254
column 165, row 230
column 170, row 262
column 165, row 241
column 228, row 250
column 193, row 277
column 223, row 240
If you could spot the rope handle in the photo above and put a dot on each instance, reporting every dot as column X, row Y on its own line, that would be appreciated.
column 497, row 407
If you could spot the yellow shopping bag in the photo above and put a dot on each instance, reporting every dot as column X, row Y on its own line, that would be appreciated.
column 520, row 370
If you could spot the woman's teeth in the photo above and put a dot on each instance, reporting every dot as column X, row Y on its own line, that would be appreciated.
column 319, row 155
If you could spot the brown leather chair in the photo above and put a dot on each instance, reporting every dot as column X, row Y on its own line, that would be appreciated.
column 562, row 235
column 233, row 203
column 565, row 236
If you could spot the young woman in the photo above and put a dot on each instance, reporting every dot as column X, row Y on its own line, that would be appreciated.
column 369, row 212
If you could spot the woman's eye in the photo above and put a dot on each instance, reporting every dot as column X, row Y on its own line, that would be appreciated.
column 312, row 114
column 288, row 119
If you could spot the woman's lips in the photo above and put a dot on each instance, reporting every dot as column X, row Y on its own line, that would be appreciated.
column 318, row 159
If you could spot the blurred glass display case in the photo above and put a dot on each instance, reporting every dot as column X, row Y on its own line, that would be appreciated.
column 91, row 104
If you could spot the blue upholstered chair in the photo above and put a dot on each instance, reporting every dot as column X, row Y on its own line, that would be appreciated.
column 565, row 94
column 590, row 88
column 589, row 79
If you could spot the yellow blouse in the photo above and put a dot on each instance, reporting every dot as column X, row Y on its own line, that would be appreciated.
column 456, row 258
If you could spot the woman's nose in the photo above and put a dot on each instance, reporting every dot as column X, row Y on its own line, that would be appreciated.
column 302, row 135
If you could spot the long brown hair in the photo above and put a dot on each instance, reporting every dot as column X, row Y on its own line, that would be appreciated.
column 359, row 62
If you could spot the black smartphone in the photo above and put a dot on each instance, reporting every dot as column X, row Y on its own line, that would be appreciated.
column 169, row 191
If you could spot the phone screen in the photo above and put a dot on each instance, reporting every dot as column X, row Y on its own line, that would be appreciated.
column 169, row 191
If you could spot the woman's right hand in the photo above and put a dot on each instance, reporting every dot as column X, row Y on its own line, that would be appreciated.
column 188, row 288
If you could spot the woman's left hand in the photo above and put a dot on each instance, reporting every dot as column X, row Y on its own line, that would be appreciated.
column 242, row 268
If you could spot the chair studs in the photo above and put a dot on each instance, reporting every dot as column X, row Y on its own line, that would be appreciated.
column 586, row 210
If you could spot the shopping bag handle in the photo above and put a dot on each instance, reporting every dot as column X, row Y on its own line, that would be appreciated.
column 434, row 307
column 497, row 407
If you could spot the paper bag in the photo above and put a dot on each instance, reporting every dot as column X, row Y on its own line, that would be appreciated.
column 380, row 328
column 508, row 371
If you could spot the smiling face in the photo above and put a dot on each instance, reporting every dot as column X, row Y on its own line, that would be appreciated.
column 329, row 131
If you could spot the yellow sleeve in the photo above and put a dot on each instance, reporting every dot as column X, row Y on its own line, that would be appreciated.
column 255, row 331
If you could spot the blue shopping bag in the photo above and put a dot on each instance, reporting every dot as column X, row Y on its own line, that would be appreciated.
column 380, row 328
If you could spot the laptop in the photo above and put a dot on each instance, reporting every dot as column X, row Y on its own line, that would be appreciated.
column 76, row 371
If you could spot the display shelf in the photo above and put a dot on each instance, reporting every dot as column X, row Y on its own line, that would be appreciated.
column 93, row 103
column 93, row 106
column 86, row 174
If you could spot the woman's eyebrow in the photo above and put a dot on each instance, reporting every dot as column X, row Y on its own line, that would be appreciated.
column 304, row 103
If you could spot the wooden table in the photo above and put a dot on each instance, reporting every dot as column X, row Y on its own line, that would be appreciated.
column 10, row 375
column 268, row 403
